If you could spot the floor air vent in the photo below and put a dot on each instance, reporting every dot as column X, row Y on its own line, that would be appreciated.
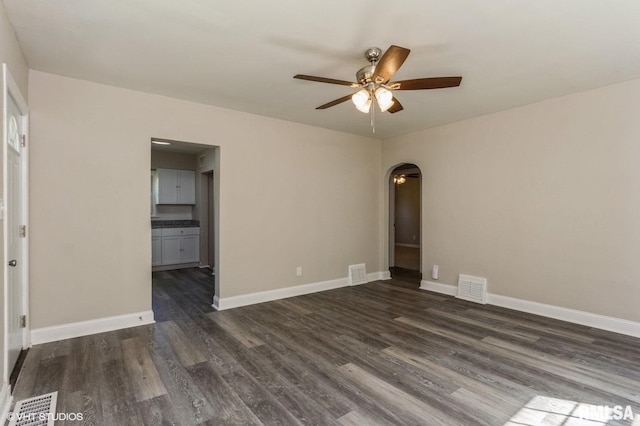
column 358, row 274
column 36, row 411
column 473, row 289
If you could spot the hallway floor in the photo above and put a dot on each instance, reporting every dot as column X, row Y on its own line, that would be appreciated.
column 407, row 258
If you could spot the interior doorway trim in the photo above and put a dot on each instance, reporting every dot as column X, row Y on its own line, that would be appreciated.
column 207, row 165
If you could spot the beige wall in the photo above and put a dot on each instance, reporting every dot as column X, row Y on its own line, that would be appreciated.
column 542, row 200
column 11, row 55
column 290, row 195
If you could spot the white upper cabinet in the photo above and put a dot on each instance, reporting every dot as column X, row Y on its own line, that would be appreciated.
column 176, row 186
column 186, row 187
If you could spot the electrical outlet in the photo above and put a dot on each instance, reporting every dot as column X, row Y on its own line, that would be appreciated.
column 414, row 237
column 299, row 271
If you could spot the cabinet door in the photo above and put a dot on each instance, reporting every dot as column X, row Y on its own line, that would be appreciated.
column 191, row 249
column 156, row 251
column 171, row 250
column 167, row 186
column 186, row 187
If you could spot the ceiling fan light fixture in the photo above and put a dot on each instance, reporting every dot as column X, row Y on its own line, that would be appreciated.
column 375, row 82
column 366, row 107
column 399, row 179
column 384, row 98
column 362, row 100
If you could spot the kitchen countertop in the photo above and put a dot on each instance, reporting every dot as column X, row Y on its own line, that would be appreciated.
column 175, row 224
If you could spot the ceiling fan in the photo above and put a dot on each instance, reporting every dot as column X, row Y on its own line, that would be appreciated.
column 374, row 81
column 399, row 179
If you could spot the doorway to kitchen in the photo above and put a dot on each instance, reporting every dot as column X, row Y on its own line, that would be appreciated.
column 184, row 222
column 208, row 185
column 405, row 240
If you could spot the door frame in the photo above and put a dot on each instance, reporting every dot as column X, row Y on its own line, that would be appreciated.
column 392, row 221
column 10, row 88
column 388, row 234
column 211, row 219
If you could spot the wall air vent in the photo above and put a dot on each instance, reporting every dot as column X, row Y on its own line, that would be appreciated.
column 358, row 274
column 473, row 289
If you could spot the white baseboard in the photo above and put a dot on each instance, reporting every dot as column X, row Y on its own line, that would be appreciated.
column 385, row 275
column 5, row 401
column 408, row 245
column 277, row 294
column 449, row 289
column 84, row 328
column 213, row 270
column 603, row 322
column 617, row 325
column 224, row 303
column 378, row 276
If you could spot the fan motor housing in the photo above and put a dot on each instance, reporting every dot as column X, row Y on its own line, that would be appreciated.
column 365, row 74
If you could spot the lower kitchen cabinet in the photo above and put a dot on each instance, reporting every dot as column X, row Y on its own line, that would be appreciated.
column 178, row 246
column 156, row 247
column 190, row 248
column 171, row 250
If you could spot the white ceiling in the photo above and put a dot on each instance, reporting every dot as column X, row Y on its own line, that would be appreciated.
column 242, row 55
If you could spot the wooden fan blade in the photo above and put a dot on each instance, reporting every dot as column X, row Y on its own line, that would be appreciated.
column 396, row 107
column 326, row 80
column 390, row 62
column 428, row 83
column 336, row 102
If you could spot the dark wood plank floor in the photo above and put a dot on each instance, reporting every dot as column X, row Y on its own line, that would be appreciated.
column 378, row 353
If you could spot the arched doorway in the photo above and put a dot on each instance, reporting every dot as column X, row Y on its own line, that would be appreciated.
column 405, row 242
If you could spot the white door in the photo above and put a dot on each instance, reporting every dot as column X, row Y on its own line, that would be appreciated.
column 14, row 221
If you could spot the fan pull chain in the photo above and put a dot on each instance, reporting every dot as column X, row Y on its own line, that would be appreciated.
column 373, row 118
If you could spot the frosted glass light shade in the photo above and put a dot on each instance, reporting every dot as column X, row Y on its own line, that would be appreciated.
column 384, row 98
column 362, row 100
